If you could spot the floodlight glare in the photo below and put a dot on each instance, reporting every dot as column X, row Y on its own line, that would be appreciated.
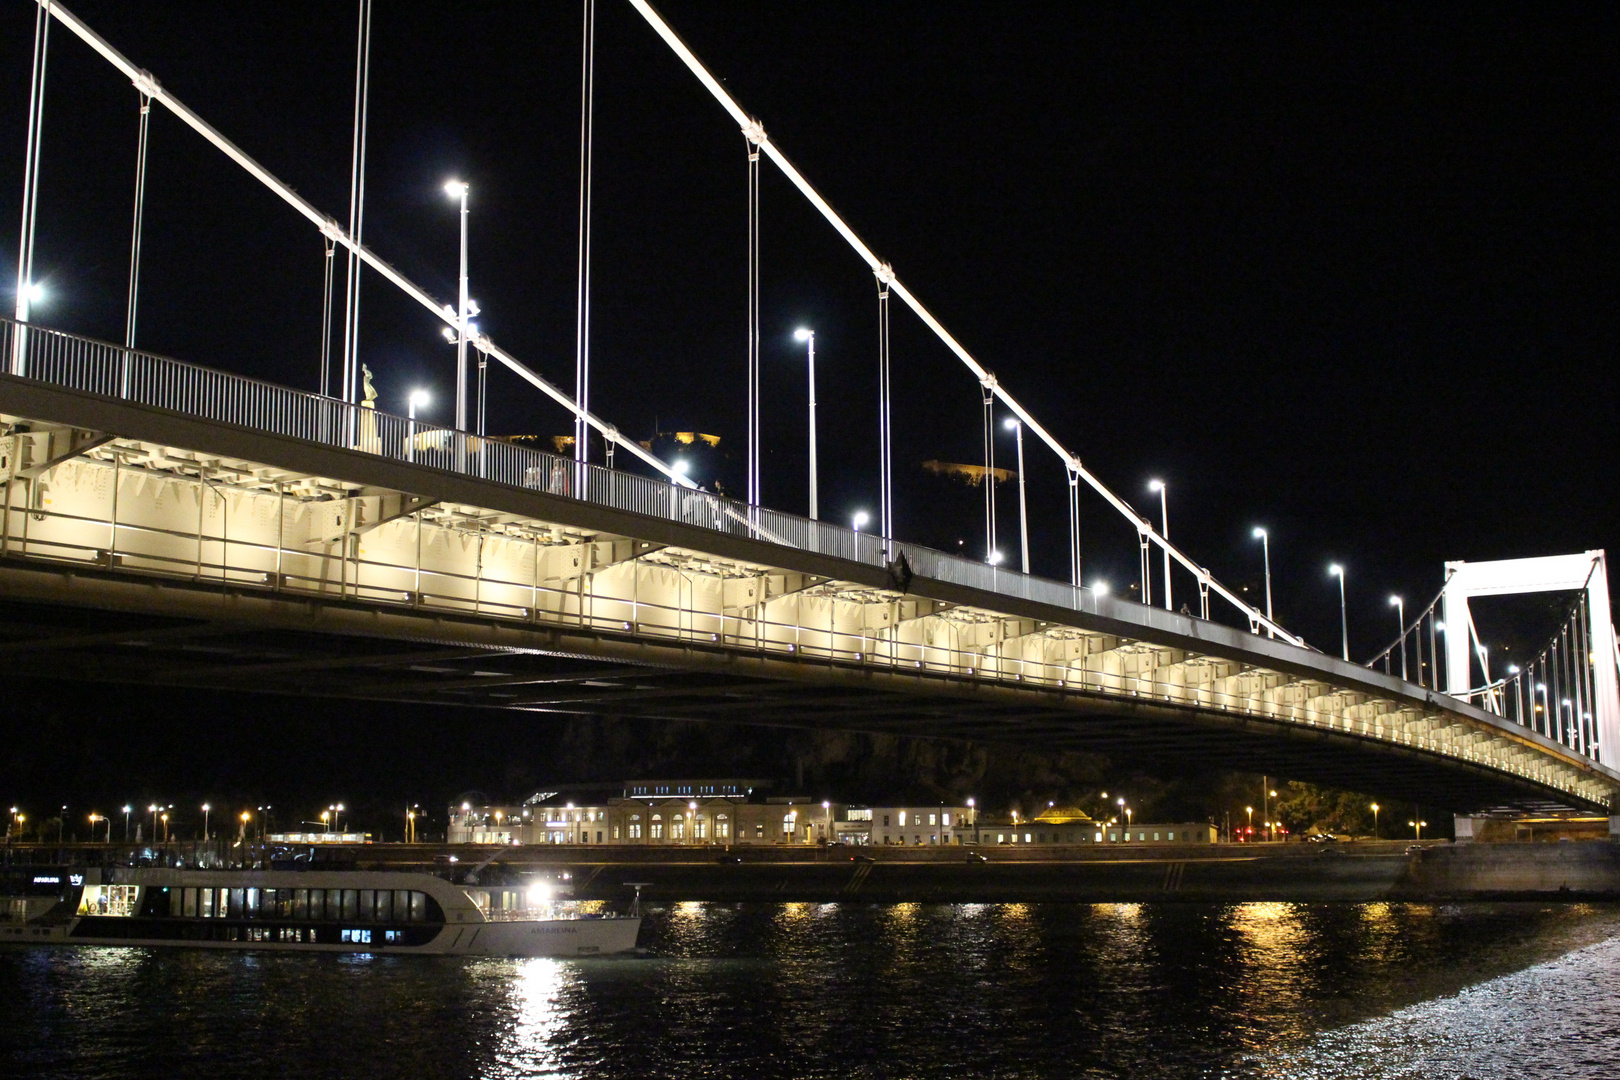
column 420, row 397
column 1259, row 533
column 455, row 189
column 1155, row 485
column 1100, row 588
column 1010, row 424
column 1395, row 601
column 1336, row 570
column 801, row 334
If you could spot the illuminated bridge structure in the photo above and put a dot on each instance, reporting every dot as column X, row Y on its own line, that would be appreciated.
column 177, row 526
column 170, row 525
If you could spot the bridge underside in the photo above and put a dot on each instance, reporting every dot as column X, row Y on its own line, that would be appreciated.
column 337, row 649
column 145, row 547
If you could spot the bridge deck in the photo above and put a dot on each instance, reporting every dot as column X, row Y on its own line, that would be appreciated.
column 141, row 544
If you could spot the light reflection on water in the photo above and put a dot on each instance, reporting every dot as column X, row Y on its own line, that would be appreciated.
column 1322, row 991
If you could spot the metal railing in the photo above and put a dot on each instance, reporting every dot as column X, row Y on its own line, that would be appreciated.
column 70, row 360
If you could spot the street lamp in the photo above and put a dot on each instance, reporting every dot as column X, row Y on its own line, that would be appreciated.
column 95, row 817
column 418, row 397
column 1100, row 588
column 1418, row 827
column 1017, row 426
column 126, row 823
column 242, row 835
column 458, row 190
column 1164, row 514
column 165, row 819
column 861, row 518
column 809, row 338
column 1250, row 811
column 1375, row 820
column 154, row 809
column 1344, row 624
column 205, row 809
column 1265, row 550
column 994, row 559
column 1399, row 605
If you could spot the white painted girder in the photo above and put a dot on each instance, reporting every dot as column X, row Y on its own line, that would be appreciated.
column 257, row 525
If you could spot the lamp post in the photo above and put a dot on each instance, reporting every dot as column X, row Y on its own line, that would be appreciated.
column 153, row 808
column 95, row 817
column 1265, row 550
column 1017, row 427
column 1418, row 828
column 861, row 518
column 1164, row 515
column 126, row 823
column 456, row 189
column 418, row 397
column 974, row 814
column 1250, row 811
column 1375, row 820
column 205, row 809
column 241, row 834
column 809, row 338
column 165, row 819
column 1399, row 605
column 1344, row 624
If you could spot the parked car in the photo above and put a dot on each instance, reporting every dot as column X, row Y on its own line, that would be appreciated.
column 975, row 857
column 861, row 858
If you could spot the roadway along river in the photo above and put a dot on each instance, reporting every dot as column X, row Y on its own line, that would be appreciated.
column 1319, row 991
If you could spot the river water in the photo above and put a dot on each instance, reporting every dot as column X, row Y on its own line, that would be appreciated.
column 1264, row 990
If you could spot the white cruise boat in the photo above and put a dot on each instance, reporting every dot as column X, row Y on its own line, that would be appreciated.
column 303, row 910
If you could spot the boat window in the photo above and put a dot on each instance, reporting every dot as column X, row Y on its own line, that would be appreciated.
column 188, row 903
column 236, row 899
column 205, row 903
column 317, row 903
column 351, row 904
column 300, row 904
column 385, row 906
column 368, row 902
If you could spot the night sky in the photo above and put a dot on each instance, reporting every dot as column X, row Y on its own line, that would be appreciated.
column 1346, row 271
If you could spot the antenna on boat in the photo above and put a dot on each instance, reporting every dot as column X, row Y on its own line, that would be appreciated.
column 635, row 905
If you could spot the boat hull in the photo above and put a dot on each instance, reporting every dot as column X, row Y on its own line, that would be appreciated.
column 556, row 938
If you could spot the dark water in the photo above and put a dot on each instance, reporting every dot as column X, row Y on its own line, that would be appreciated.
column 902, row 991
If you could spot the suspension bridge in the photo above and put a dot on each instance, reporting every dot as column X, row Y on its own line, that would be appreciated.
column 172, row 524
